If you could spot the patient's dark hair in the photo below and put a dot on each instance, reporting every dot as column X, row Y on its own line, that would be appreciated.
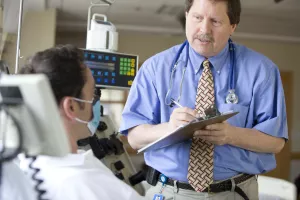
column 297, row 183
column 63, row 65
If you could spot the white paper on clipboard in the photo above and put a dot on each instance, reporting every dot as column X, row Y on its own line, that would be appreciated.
column 186, row 132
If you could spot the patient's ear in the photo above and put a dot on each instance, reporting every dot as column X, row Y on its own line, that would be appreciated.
column 67, row 107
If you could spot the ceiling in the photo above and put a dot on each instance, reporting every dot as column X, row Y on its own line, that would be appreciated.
column 264, row 17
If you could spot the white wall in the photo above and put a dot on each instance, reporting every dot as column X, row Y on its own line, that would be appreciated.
column 38, row 33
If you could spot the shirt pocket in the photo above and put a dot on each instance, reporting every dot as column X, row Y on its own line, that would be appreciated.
column 238, row 120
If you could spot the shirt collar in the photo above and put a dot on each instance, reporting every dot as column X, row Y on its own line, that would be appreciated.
column 217, row 61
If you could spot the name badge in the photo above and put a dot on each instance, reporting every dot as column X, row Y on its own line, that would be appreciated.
column 158, row 197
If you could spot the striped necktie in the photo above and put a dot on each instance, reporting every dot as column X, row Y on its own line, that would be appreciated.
column 200, row 171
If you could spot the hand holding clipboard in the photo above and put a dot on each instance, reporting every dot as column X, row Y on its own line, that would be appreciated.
column 183, row 133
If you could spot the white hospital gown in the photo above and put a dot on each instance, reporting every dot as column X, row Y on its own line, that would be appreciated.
column 81, row 176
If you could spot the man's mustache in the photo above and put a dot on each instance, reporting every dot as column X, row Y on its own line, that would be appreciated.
column 205, row 37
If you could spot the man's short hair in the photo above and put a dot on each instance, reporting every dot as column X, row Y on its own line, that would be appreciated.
column 297, row 183
column 63, row 65
column 233, row 9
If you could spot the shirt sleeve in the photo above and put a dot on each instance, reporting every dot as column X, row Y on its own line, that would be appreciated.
column 142, row 104
column 269, row 102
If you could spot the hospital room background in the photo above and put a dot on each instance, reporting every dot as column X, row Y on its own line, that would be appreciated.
column 148, row 27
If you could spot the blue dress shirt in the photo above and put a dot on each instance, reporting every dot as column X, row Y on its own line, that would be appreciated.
column 261, row 106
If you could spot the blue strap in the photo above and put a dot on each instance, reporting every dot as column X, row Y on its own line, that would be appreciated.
column 163, row 179
column 178, row 55
column 232, row 65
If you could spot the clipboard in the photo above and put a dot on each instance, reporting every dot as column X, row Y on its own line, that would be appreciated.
column 186, row 132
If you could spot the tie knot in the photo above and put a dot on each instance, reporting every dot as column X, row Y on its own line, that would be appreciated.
column 206, row 63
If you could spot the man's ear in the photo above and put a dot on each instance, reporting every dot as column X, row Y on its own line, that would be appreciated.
column 67, row 106
column 233, row 27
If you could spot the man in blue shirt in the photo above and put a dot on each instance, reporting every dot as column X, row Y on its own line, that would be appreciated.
column 244, row 145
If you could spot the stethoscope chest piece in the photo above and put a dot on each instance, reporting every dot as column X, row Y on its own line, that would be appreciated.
column 232, row 98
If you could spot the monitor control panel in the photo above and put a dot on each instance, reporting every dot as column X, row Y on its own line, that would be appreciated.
column 110, row 69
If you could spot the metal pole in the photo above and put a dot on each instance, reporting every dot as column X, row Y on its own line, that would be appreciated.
column 19, row 36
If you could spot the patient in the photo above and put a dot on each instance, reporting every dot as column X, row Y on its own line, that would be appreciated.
column 76, row 176
column 297, row 183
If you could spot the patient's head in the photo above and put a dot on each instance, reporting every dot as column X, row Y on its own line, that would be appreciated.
column 297, row 183
column 72, row 84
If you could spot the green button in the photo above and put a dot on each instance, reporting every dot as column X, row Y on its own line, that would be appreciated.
column 122, row 59
column 121, row 72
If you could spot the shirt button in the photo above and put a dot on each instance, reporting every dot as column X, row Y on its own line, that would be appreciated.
column 218, row 72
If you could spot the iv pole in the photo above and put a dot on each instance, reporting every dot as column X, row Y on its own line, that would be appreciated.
column 106, row 3
column 19, row 36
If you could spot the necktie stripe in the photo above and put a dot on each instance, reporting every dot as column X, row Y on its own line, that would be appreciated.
column 200, row 170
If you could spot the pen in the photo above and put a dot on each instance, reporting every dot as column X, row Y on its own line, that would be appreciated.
column 175, row 102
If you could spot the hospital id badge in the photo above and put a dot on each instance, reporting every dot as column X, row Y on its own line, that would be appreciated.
column 158, row 197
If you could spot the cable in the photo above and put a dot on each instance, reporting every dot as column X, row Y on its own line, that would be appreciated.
column 20, row 136
column 18, row 150
column 3, row 133
column 38, row 181
column 109, row 2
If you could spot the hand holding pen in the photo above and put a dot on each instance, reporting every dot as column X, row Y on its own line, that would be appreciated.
column 181, row 115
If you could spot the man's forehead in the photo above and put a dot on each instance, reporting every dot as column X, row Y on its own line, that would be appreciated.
column 219, row 7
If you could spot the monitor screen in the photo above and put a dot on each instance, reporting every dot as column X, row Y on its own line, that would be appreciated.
column 111, row 70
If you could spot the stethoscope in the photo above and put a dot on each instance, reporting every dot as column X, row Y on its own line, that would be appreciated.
column 231, row 97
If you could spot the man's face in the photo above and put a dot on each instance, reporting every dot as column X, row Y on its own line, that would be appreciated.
column 208, row 27
column 85, row 110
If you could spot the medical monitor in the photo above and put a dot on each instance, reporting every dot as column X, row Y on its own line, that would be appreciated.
column 37, row 114
column 111, row 70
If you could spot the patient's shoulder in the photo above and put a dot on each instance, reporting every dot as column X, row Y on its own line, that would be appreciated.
column 95, row 184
